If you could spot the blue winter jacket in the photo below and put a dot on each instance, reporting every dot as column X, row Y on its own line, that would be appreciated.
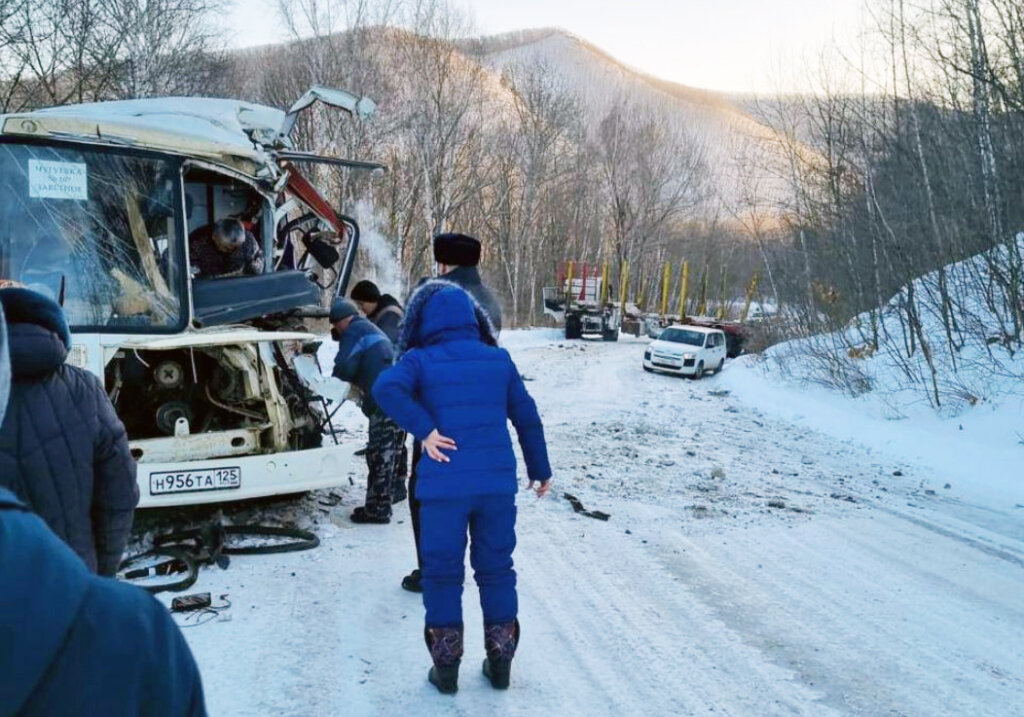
column 363, row 352
column 72, row 643
column 451, row 377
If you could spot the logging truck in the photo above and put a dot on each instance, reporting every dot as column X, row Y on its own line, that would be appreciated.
column 581, row 301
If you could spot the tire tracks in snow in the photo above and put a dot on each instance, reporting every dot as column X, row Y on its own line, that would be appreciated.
column 668, row 654
column 877, row 635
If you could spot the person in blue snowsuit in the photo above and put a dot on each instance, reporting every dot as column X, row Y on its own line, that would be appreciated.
column 455, row 391
column 72, row 642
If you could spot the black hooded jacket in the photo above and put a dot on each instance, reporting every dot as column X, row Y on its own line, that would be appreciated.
column 63, row 449
column 388, row 316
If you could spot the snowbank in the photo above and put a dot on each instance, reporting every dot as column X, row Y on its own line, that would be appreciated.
column 978, row 454
column 839, row 383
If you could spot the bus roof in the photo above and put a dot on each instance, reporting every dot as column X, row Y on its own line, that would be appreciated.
column 232, row 132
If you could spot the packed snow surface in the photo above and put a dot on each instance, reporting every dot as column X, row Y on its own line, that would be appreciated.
column 761, row 558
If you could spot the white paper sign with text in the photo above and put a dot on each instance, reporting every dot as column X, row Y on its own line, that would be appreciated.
column 58, row 180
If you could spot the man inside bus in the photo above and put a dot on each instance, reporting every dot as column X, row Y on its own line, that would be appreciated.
column 224, row 249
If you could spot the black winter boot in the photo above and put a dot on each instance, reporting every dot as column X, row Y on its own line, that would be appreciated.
column 445, row 645
column 413, row 582
column 398, row 491
column 363, row 516
column 500, row 641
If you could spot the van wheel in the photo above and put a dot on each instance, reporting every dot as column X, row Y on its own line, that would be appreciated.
column 700, row 372
column 573, row 327
column 721, row 364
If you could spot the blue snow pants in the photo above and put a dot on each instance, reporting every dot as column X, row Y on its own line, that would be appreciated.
column 491, row 523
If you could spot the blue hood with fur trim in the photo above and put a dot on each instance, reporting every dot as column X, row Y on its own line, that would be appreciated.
column 454, row 379
column 454, row 314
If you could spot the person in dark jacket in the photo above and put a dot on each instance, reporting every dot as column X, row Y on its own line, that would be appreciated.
column 74, row 643
column 63, row 449
column 457, row 257
column 382, row 309
column 363, row 353
column 455, row 391
column 386, row 314
column 225, row 248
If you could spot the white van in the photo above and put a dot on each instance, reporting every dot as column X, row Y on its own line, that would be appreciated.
column 686, row 351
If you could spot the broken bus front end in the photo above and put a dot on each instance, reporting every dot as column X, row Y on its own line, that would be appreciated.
column 215, row 379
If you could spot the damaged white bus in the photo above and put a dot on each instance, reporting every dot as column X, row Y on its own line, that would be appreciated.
column 214, row 378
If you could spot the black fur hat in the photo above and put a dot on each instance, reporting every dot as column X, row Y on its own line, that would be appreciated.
column 456, row 250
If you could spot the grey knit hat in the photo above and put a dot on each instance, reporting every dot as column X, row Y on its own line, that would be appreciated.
column 341, row 309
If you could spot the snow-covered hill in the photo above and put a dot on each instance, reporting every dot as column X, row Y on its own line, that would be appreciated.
column 984, row 369
column 732, row 137
column 742, row 154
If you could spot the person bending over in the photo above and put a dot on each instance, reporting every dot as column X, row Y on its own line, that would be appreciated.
column 224, row 249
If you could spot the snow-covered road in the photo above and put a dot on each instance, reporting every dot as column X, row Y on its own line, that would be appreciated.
column 750, row 567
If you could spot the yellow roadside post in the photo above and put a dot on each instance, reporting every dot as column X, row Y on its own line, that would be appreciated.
column 568, row 285
column 666, row 280
column 702, row 305
column 720, row 314
column 684, row 290
column 751, row 290
column 623, row 287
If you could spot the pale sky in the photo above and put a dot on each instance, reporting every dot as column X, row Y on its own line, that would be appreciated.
column 730, row 45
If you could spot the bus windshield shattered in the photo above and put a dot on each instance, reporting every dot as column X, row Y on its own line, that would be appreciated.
column 97, row 230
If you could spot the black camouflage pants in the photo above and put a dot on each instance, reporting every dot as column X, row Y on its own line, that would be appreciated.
column 383, row 456
column 403, row 470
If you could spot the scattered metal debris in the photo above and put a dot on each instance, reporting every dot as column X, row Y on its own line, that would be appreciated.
column 177, row 554
column 188, row 603
column 578, row 507
column 199, row 609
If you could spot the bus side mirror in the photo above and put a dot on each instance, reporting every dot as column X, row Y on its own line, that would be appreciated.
column 325, row 254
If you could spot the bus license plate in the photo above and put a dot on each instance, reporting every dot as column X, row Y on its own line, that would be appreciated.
column 191, row 481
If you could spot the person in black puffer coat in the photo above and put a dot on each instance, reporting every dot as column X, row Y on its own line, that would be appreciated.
column 63, row 450
column 76, row 643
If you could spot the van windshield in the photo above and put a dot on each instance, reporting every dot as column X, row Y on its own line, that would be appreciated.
column 97, row 228
column 682, row 336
